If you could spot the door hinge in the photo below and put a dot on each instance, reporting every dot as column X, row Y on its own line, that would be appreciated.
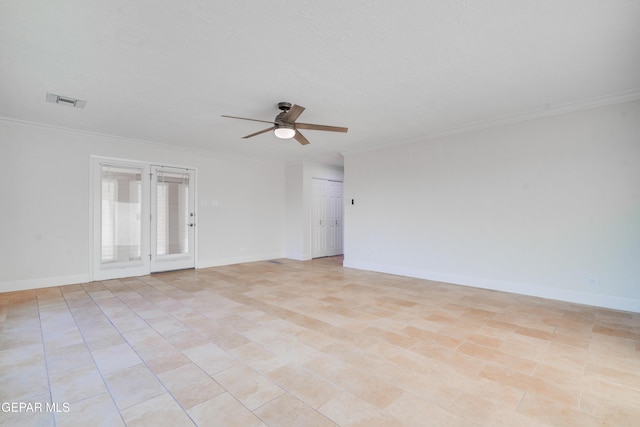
column 149, row 257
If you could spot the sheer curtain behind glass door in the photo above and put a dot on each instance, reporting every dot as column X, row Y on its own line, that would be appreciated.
column 172, row 212
column 121, row 211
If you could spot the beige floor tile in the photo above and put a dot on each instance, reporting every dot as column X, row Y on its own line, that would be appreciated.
column 551, row 412
column 365, row 385
column 258, row 357
column 60, row 338
column 98, row 339
column 184, row 340
column 280, row 344
column 389, row 337
column 115, row 358
column 524, row 347
column 158, row 411
column 613, row 375
column 490, row 355
column 143, row 337
column 76, row 384
column 442, row 385
column 23, row 373
column 21, row 338
column 304, row 385
column 609, row 409
column 404, row 359
column 190, row 385
column 133, row 385
column 287, row 411
column 553, row 374
column 226, row 411
column 17, row 357
column 248, row 386
column 414, row 411
column 486, row 408
column 570, row 396
column 347, row 410
column 432, row 337
column 98, row 411
column 210, row 358
column 621, row 394
column 162, row 357
column 225, row 338
column 128, row 322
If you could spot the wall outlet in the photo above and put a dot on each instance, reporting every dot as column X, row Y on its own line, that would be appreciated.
column 593, row 280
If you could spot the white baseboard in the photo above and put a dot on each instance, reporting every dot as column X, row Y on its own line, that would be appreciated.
column 298, row 256
column 238, row 260
column 44, row 282
column 596, row 300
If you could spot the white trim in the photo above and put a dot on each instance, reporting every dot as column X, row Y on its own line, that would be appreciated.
column 298, row 256
column 43, row 282
column 129, row 141
column 596, row 300
column 220, row 262
column 570, row 107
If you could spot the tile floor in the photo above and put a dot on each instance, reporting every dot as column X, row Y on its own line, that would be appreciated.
column 292, row 343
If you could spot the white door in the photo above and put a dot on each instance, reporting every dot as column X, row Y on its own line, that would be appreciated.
column 121, row 233
column 144, row 219
column 172, row 219
column 326, row 218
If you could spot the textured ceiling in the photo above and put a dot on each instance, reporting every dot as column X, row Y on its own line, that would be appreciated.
column 164, row 71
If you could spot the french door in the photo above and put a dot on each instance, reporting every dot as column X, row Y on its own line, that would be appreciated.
column 172, row 219
column 144, row 219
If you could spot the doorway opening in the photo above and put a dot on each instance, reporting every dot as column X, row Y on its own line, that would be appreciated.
column 327, row 211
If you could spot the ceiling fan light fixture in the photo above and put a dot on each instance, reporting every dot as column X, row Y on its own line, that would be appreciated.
column 284, row 126
column 284, row 132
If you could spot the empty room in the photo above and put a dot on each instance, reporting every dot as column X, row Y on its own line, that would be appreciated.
column 319, row 213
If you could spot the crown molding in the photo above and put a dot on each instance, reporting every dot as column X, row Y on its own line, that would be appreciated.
column 586, row 104
column 124, row 140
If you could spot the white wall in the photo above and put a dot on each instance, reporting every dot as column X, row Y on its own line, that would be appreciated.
column 538, row 208
column 44, row 203
column 294, row 211
column 299, row 178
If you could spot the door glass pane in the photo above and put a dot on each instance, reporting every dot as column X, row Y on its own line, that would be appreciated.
column 172, row 216
column 121, row 214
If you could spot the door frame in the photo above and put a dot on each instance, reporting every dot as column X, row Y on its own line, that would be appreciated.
column 177, row 261
column 341, row 201
column 95, row 229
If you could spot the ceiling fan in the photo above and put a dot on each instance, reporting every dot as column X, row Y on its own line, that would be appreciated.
column 285, row 125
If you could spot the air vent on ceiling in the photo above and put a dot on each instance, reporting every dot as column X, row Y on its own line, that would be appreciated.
column 65, row 100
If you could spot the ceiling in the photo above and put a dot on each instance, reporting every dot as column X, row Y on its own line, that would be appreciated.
column 164, row 71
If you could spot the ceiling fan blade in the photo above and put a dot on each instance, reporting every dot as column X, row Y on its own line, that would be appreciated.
column 320, row 127
column 259, row 132
column 293, row 113
column 300, row 138
column 244, row 118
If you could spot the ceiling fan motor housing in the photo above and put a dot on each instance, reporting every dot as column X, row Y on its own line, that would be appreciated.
column 284, row 106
